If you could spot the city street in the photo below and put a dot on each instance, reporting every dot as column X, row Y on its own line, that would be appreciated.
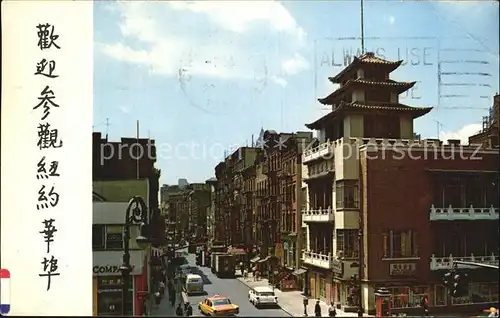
column 232, row 288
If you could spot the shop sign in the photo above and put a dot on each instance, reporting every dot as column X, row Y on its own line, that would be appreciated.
column 337, row 266
column 403, row 269
column 108, row 269
column 107, row 263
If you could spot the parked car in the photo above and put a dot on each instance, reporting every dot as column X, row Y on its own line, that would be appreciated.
column 262, row 296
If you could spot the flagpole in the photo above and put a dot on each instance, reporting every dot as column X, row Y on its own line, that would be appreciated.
column 362, row 29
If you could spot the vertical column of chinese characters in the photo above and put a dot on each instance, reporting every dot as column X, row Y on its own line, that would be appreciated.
column 48, row 137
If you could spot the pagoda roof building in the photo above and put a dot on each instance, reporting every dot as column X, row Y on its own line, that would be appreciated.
column 366, row 92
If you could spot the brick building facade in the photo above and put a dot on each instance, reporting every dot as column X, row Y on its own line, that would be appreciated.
column 447, row 209
column 387, row 200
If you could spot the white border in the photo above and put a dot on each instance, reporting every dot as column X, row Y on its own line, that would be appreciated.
column 22, row 246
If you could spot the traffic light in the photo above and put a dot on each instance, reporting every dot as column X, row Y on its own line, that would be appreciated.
column 457, row 283
column 448, row 279
column 460, row 285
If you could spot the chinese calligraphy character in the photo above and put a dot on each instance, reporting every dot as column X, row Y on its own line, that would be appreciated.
column 46, row 36
column 42, row 171
column 46, row 101
column 41, row 68
column 44, row 199
column 48, row 137
column 50, row 269
column 48, row 232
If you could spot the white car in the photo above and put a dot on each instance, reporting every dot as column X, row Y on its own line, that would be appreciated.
column 262, row 296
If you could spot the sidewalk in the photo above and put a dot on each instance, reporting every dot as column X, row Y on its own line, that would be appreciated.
column 291, row 301
column 165, row 308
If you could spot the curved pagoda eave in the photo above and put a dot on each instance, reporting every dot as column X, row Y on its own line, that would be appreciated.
column 335, row 96
column 366, row 59
column 415, row 112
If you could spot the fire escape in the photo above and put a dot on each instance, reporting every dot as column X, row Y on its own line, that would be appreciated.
column 271, row 218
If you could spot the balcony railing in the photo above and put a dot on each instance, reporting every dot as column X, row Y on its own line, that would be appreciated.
column 470, row 213
column 319, row 215
column 321, row 169
column 323, row 150
column 438, row 263
column 317, row 259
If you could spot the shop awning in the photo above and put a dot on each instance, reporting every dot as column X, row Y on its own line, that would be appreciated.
column 255, row 259
column 237, row 251
column 264, row 259
column 299, row 272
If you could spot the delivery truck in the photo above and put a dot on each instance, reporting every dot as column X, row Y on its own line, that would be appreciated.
column 225, row 265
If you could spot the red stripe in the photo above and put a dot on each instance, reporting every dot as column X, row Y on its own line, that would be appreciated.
column 4, row 273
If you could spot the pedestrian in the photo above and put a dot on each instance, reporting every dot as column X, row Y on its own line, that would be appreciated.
column 144, row 307
column 424, row 303
column 162, row 289
column 179, row 312
column 305, row 302
column 188, row 309
column 157, row 298
column 332, row 312
column 317, row 309
column 172, row 299
column 170, row 286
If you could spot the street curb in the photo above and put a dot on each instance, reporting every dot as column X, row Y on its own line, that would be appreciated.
column 286, row 311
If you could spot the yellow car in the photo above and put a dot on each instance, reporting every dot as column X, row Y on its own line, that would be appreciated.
column 218, row 306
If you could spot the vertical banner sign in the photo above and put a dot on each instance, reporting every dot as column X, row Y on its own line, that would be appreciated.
column 47, row 63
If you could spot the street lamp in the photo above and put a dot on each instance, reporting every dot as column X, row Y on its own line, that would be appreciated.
column 139, row 215
column 360, row 268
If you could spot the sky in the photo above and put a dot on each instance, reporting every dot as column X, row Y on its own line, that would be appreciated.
column 202, row 78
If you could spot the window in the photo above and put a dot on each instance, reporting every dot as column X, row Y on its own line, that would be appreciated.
column 407, row 297
column 110, row 303
column 114, row 237
column 303, row 195
column 478, row 293
column 440, row 295
column 347, row 195
column 399, row 244
column 98, row 236
column 322, row 287
column 347, row 242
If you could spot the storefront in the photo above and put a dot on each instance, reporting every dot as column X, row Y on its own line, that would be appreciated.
column 107, row 283
column 320, row 284
column 109, row 296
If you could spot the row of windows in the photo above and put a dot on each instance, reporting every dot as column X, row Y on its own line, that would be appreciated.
column 397, row 243
column 110, row 237
column 410, row 297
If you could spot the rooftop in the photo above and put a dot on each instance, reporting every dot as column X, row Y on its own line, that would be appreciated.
column 367, row 58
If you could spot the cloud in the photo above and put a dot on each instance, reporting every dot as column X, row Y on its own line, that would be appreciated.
column 191, row 38
column 295, row 65
column 279, row 81
column 462, row 134
column 238, row 16
column 124, row 109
